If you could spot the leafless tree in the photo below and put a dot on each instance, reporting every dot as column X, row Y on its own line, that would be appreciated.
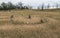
column 42, row 6
column 20, row 5
column 38, row 7
column 48, row 6
column 57, row 5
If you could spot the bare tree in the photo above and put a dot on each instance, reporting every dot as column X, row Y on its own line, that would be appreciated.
column 57, row 5
column 20, row 5
column 42, row 6
column 29, row 7
column 38, row 7
column 48, row 6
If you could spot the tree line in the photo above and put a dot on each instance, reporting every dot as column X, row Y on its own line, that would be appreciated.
column 20, row 5
column 42, row 7
column 10, row 6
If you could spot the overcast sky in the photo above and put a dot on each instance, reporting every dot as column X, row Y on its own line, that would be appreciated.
column 29, row 1
column 32, row 2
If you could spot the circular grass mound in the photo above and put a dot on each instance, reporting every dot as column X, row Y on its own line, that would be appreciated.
column 29, row 20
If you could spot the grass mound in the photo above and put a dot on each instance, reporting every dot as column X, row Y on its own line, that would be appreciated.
column 39, row 24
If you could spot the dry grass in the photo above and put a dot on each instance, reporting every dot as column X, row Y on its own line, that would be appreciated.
column 18, row 28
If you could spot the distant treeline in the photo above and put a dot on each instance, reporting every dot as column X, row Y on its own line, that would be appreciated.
column 10, row 6
column 20, row 5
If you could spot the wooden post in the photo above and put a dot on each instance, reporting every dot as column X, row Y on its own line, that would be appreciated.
column 11, row 18
column 29, row 17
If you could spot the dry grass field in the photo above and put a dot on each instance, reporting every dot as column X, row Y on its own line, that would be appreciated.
column 41, row 24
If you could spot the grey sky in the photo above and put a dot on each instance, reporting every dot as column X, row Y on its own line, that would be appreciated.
column 32, row 2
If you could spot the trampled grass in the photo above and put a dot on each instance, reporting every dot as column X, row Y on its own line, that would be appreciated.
column 43, row 24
